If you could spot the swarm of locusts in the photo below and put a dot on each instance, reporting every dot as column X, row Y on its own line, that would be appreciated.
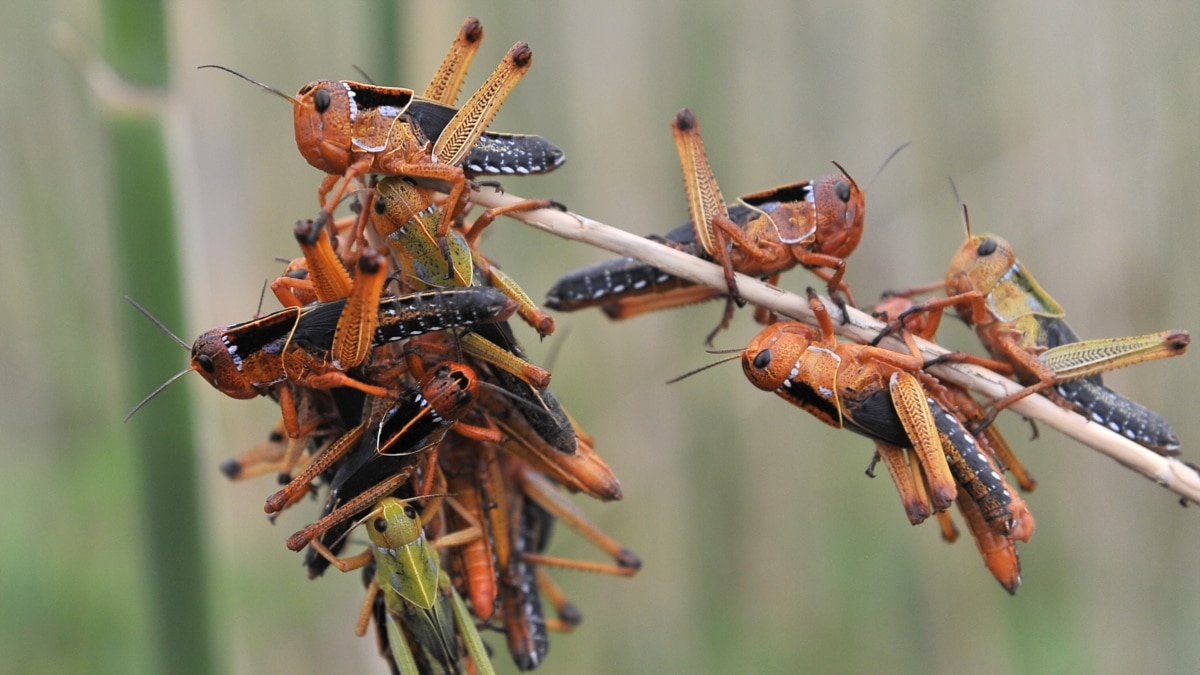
column 935, row 439
column 409, row 408
column 406, row 403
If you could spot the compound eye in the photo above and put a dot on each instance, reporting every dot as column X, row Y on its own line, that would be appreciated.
column 986, row 247
column 380, row 524
column 762, row 359
column 410, row 512
column 322, row 99
column 842, row 188
column 206, row 363
column 380, row 205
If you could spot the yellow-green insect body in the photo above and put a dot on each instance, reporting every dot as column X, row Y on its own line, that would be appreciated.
column 407, row 216
column 408, row 219
column 1018, row 297
column 1020, row 324
column 418, row 595
column 405, row 562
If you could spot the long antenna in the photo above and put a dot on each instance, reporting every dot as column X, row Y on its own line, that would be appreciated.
column 845, row 173
column 736, row 354
column 181, row 343
column 885, row 163
column 268, row 87
column 962, row 207
column 362, row 72
column 154, row 393
column 161, row 325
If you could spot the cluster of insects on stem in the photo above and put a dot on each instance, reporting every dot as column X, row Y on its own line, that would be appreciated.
column 407, row 401
column 404, row 395
column 937, row 441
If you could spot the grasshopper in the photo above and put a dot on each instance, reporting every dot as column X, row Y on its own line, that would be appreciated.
column 1024, row 329
column 876, row 393
column 815, row 224
column 952, row 397
column 292, row 347
column 348, row 129
column 417, row 593
column 405, row 425
column 406, row 216
column 915, row 424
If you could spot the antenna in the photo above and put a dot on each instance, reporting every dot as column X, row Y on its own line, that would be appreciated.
column 176, row 376
column 736, row 353
column 268, row 87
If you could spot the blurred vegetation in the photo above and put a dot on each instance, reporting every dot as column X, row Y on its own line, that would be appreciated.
column 147, row 256
column 1070, row 129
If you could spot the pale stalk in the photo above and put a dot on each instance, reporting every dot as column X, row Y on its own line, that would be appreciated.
column 1166, row 471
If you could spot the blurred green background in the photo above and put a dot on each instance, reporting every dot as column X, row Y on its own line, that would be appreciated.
column 1072, row 129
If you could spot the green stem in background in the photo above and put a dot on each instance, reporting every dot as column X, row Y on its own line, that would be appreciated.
column 386, row 22
column 143, row 214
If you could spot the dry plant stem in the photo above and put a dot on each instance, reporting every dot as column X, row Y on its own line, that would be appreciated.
column 1168, row 472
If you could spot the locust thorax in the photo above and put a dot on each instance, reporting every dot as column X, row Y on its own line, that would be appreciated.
column 450, row 389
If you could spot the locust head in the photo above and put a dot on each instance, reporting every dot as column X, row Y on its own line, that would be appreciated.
column 839, row 207
column 772, row 358
column 980, row 264
column 324, row 113
column 217, row 361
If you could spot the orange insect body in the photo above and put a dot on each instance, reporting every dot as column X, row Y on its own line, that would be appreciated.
column 221, row 359
column 870, row 390
column 349, row 129
column 808, row 223
column 465, row 468
column 879, row 394
column 815, row 224
column 887, row 397
column 438, row 401
column 299, row 346
column 335, row 129
column 952, row 397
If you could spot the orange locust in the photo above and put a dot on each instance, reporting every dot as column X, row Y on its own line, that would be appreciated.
column 876, row 393
column 348, row 129
column 999, row 551
column 815, row 224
